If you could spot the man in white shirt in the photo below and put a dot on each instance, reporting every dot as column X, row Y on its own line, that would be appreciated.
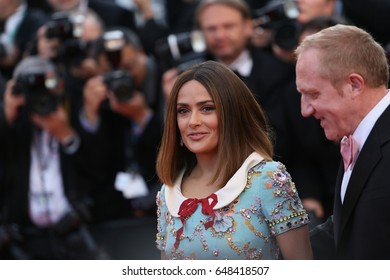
column 342, row 75
column 42, row 192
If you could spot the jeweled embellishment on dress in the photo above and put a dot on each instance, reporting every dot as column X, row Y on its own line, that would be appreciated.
column 223, row 224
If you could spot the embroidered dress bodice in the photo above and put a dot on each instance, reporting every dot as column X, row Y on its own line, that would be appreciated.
column 259, row 202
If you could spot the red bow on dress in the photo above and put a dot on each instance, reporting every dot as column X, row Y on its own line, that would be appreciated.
column 189, row 206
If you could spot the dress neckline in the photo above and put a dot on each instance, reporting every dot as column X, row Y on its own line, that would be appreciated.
column 174, row 197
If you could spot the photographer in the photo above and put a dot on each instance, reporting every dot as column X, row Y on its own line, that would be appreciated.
column 18, row 25
column 121, row 120
column 43, row 157
column 278, row 24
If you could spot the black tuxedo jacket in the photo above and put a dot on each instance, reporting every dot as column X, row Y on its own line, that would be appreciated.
column 362, row 222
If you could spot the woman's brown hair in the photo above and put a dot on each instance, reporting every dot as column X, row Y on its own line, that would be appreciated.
column 242, row 125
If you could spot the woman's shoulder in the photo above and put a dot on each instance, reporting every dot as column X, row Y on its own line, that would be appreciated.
column 161, row 195
column 272, row 174
column 269, row 166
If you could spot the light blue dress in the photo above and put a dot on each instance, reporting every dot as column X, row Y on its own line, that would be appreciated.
column 259, row 202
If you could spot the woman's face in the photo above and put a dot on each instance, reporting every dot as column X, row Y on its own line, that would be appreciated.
column 197, row 119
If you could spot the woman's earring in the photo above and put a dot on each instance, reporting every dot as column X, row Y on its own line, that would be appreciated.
column 181, row 142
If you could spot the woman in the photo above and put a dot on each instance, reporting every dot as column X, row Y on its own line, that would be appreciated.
column 223, row 197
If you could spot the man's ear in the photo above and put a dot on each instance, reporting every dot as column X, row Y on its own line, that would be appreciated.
column 357, row 83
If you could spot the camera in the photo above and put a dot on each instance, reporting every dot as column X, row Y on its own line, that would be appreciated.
column 40, row 91
column 73, row 51
column 280, row 16
column 68, row 28
column 120, row 82
column 181, row 50
column 65, row 26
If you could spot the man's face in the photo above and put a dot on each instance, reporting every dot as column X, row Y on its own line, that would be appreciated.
column 7, row 7
column 88, row 66
column 225, row 30
column 309, row 9
column 131, row 60
column 64, row 5
column 320, row 99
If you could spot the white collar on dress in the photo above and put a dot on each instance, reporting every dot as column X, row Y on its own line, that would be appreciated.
column 174, row 198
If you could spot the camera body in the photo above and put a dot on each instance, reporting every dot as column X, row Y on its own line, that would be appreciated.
column 65, row 26
column 73, row 52
column 181, row 50
column 40, row 91
column 120, row 82
column 68, row 28
column 280, row 16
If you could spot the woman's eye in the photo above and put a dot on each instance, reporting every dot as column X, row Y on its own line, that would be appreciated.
column 208, row 108
column 182, row 111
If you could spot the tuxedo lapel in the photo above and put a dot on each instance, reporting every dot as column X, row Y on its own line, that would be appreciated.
column 368, row 158
column 337, row 207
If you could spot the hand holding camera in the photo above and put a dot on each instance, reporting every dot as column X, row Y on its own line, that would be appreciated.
column 41, row 91
column 12, row 103
column 135, row 108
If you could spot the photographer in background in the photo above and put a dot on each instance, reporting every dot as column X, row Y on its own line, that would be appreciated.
column 121, row 120
column 42, row 157
column 113, row 15
column 278, row 24
column 18, row 25
column 69, row 41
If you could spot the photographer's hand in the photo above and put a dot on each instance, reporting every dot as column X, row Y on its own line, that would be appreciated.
column 12, row 103
column 145, row 8
column 11, row 58
column 168, row 79
column 135, row 109
column 95, row 91
column 57, row 124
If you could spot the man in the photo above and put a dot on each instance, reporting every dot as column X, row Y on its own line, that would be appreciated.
column 309, row 9
column 123, row 131
column 342, row 76
column 42, row 156
column 18, row 24
column 113, row 15
column 110, row 13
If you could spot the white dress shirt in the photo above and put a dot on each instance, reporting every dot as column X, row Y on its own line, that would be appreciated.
column 361, row 134
column 48, row 203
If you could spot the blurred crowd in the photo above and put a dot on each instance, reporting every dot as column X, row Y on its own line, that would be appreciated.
column 83, row 86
